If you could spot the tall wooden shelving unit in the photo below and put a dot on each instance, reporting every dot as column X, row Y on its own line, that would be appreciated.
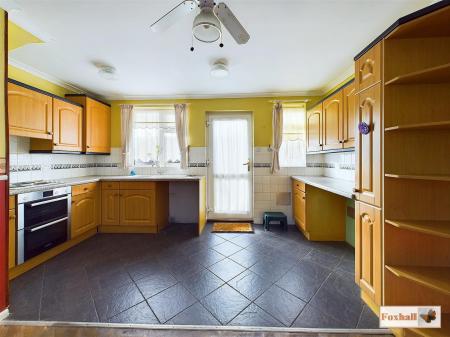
column 416, row 151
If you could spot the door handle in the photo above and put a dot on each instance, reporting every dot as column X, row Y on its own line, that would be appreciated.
column 47, row 225
column 248, row 165
column 47, row 201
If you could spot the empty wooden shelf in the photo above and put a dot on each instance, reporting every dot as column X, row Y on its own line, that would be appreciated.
column 438, row 74
column 418, row 177
column 431, row 227
column 432, row 277
column 444, row 125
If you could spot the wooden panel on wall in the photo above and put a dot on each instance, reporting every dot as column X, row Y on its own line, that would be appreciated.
column 368, row 68
column 368, row 250
column 368, row 153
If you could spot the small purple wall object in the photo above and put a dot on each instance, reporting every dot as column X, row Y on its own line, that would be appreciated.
column 364, row 128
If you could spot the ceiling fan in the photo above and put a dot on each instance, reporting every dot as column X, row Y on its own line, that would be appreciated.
column 207, row 24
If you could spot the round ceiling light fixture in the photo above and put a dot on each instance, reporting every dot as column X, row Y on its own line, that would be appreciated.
column 206, row 26
column 107, row 72
column 219, row 70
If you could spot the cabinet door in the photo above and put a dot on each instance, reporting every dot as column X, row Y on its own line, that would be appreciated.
column 29, row 113
column 67, row 121
column 84, row 214
column 368, row 147
column 12, row 239
column 349, row 115
column 368, row 267
column 110, row 207
column 368, row 68
column 314, row 129
column 98, row 127
column 137, row 207
column 332, row 122
column 299, row 209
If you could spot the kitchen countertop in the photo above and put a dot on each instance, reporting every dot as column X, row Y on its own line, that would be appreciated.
column 92, row 179
column 333, row 185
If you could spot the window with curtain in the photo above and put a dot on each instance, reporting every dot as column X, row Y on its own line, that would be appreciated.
column 155, row 138
column 293, row 149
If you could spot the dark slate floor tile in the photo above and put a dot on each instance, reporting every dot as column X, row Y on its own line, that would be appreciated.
column 213, row 240
column 272, row 269
column 339, row 298
column 255, row 316
column 113, row 301
column 311, row 317
column 227, row 248
column 347, row 264
column 322, row 258
column 225, row 303
column 185, row 268
column 249, row 284
column 280, row 304
column 207, row 257
column 227, row 236
column 246, row 258
column 144, row 267
column 139, row 314
column 202, row 283
column 194, row 315
column 154, row 284
column 226, row 269
column 304, row 279
column 244, row 240
column 171, row 302
column 368, row 319
column 25, row 294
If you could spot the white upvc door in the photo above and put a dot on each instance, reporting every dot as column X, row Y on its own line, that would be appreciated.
column 230, row 165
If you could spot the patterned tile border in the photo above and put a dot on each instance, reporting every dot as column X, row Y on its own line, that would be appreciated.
column 347, row 167
column 323, row 165
column 25, row 168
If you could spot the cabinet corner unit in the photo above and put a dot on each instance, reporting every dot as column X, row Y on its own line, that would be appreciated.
column 96, row 124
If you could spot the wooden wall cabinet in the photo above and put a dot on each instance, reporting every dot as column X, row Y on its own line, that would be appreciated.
column 29, row 112
column 314, row 129
column 96, row 124
column 67, row 129
column 368, row 68
column 368, row 250
column 84, row 212
column 333, row 120
column 330, row 125
column 349, row 110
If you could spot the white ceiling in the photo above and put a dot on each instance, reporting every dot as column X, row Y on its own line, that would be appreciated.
column 296, row 46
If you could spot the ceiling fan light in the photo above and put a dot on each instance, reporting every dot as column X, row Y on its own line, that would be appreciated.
column 206, row 27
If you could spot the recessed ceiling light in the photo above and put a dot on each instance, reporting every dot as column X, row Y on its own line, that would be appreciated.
column 107, row 72
column 219, row 70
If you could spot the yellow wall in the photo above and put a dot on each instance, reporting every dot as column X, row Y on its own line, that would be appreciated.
column 2, row 85
column 19, row 37
column 35, row 81
column 260, row 106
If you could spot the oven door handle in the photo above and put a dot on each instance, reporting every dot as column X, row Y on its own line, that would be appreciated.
column 47, row 201
column 47, row 225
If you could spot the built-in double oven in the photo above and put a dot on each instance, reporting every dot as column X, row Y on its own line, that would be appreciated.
column 43, row 221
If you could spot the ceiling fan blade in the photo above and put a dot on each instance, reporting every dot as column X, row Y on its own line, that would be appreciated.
column 231, row 23
column 174, row 15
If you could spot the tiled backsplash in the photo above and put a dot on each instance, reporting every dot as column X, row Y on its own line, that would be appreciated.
column 269, row 188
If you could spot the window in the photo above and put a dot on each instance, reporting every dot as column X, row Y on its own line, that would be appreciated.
column 293, row 148
column 154, row 137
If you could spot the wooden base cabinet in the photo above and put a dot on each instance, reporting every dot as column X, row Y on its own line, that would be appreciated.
column 368, row 250
column 135, row 204
column 85, row 207
column 318, row 214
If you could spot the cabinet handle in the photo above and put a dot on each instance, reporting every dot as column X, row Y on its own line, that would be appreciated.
column 88, row 147
column 356, row 190
column 49, row 133
column 56, row 144
column 12, row 217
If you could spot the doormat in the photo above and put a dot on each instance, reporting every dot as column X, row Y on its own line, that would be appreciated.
column 232, row 227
